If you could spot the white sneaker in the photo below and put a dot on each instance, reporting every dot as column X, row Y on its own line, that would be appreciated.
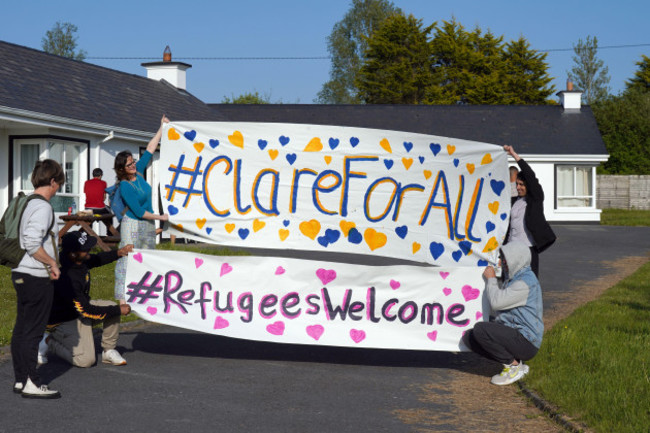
column 18, row 387
column 43, row 347
column 32, row 391
column 113, row 357
column 510, row 374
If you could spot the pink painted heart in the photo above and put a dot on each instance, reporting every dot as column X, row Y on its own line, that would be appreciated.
column 479, row 315
column 198, row 262
column 432, row 335
column 394, row 284
column 276, row 328
column 280, row 270
column 138, row 257
column 446, row 291
column 470, row 293
column 220, row 323
column 315, row 331
column 326, row 275
column 444, row 275
column 152, row 310
column 225, row 268
column 357, row 335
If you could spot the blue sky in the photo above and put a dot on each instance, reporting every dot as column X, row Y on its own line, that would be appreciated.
column 295, row 28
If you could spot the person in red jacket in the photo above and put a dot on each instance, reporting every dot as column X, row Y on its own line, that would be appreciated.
column 95, row 190
column 73, row 311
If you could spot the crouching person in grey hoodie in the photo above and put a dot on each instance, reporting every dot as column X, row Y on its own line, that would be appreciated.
column 515, row 335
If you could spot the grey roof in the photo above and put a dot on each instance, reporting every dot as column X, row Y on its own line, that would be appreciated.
column 39, row 82
column 531, row 129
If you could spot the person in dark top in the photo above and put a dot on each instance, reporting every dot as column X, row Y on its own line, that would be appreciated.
column 73, row 312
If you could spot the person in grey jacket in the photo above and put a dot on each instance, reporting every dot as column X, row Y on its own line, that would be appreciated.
column 32, row 279
column 515, row 335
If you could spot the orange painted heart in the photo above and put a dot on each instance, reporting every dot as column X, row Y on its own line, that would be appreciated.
column 487, row 158
column 230, row 227
column 416, row 247
column 374, row 239
column 284, row 233
column 494, row 207
column 451, row 149
column 407, row 162
column 172, row 134
column 178, row 227
column 314, row 145
column 470, row 168
column 199, row 146
column 327, row 159
column 385, row 144
column 200, row 222
column 237, row 139
column 258, row 225
column 491, row 245
column 346, row 226
column 310, row 228
column 273, row 153
column 427, row 174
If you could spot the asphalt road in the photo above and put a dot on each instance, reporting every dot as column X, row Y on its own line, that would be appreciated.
column 178, row 380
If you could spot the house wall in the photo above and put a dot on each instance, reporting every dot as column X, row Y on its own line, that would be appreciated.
column 623, row 192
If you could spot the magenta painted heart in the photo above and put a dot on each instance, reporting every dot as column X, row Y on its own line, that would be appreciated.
column 220, row 323
column 444, row 275
column 326, row 275
column 357, row 335
column 138, row 257
column 225, row 268
column 479, row 315
column 315, row 331
column 276, row 328
column 152, row 310
column 470, row 293
column 446, row 291
column 394, row 284
column 280, row 270
column 432, row 335
column 198, row 262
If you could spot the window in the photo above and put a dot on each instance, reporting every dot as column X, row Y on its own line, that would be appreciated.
column 68, row 156
column 29, row 154
column 575, row 185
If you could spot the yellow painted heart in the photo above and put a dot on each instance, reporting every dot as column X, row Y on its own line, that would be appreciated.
column 327, row 159
column 237, row 139
column 385, row 144
column 451, row 149
column 273, row 153
column 230, row 227
column 199, row 146
column 283, row 233
column 314, row 145
column 416, row 247
column 178, row 227
column 346, row 226
column 470, row 168
column 258, row 225
column 494, row 207
column 487, row 158
column 310, row 228
column 200, row 222
column 491, row 245
column 427, row 174
column 374, row 239
column 172, row 134
column 407, row 162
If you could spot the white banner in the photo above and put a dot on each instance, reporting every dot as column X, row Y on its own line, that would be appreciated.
column 307, row 302
column 418, row 197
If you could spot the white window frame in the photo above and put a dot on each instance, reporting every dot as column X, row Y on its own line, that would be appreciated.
column 591, row 196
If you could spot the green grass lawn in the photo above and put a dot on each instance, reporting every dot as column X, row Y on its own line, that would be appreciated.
column 595, row 364
column 620, row 217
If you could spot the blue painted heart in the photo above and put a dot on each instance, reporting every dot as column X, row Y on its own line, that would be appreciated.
column 284, row 140
column 435, row 148
column 402, row 231
column 354, row 141
column 332, row 235
column 388, row 163
column 262, row 144
column 333, row 142
column 190, row 135
column 243, row 233
column 456, row 255
column 173, row 210
column 213, row 143
column 482, row 263
column 408, row 146
column 465, row 246
column 497, row 186
column 421, row 158
column 285, row 223
column 354, row 236
column 208, row 230
column 323, row 241
column 291, row 157
column 436, row 249
column 456, row 162
column 489, row 226
column 503, row 216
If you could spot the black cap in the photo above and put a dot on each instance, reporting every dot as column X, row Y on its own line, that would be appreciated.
column 77, row 241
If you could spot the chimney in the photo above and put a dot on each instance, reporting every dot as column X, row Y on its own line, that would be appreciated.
column 172, row 72
column 569, row 98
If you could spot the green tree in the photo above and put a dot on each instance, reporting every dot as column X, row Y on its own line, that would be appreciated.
column 527, row 80
column 247, row 98
column 641, row 79
column 346, row 45
column 624, row 123
column 589, row 73
column 61, row 40
column 397, row 67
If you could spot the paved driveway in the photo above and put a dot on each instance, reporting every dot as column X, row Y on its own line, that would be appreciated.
column 178, row 380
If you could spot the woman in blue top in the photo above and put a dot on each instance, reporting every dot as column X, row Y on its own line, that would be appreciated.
column 137, row 226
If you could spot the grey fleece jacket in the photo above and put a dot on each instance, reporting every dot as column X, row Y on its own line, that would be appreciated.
column 33, row 235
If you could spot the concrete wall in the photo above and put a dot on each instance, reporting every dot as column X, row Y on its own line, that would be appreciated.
column 623, row 192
